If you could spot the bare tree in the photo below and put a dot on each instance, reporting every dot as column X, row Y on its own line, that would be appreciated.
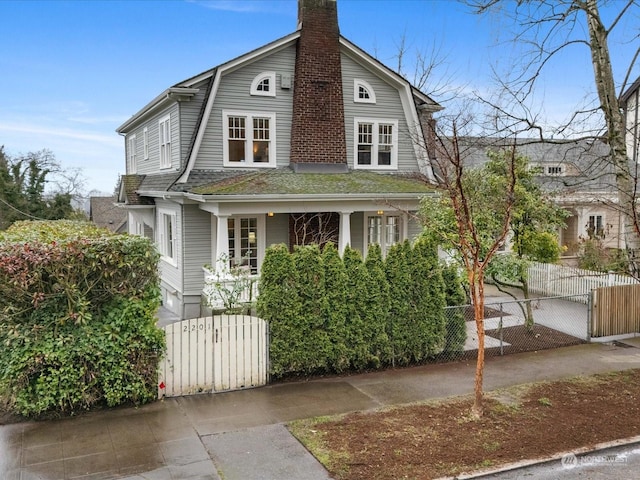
column 472, row 217
column 546, row 29
column 314, row 228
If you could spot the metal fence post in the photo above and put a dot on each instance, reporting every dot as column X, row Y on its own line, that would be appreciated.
column 500, row 329
column 589, row 314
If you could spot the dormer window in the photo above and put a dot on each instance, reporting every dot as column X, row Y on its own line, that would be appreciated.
column 264, row 84
column 363, row 92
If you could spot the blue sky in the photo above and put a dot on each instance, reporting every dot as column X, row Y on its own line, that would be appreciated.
column 72, row 71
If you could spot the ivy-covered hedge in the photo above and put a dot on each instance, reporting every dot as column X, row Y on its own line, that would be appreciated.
column 330, row 314
column 77, row 317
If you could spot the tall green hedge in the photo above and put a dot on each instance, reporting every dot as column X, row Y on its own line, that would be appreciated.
column 428, row 301
column 77, row 317
column 279, row 304
column 377, row 307
column 398, row 271
column 336, row 292
column 358, row 330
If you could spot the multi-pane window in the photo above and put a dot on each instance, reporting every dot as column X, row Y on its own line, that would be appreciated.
column 595, row 227
column 249, row 139
column 164, row 136
column 167, row 232
column 243, row 242
column 131, row 150
column 385, row 230
column 363, row 92
column 264, row 84
column 376, row 144
column 365, row 143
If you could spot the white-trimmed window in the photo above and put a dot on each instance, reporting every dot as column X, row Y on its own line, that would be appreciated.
column 596, row 226
column 145, row 143
column 131, row 152
column 384, row 229
column 243, row 242
column 363, row 92
column 249, row 139
column 264, row 84
column 167, row 235
column 376, row 144
column 164, row 140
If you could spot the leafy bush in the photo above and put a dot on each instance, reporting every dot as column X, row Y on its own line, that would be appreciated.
column 77, row 317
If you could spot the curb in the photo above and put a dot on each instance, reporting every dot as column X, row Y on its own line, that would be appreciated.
column 542, row 460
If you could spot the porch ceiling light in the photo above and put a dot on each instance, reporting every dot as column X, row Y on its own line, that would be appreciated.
column 380, row 212
column 270, row 214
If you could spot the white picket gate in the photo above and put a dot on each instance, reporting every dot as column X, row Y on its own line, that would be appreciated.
column 214, row 354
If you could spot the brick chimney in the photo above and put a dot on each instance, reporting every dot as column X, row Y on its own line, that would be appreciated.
column 317, row 131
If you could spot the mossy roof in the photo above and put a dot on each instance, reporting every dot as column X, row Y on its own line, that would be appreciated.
column 287, row 182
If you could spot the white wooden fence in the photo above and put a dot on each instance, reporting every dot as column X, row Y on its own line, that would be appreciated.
column 559, row 280
column 214, row 354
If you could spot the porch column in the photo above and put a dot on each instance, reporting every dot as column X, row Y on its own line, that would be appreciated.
column 222, row 243
column 344, row 235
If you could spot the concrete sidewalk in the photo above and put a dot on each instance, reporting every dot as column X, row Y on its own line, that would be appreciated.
column 240, row 435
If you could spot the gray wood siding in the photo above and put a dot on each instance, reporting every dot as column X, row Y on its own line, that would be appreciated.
column 189, row 113
column 152, row 165
column 388, row 105
column 233, row 94
column 414, row 229
column 169, row 273
column 197, row 247
column 277, row 228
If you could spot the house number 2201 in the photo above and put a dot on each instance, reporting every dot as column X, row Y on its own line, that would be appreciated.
column 193, row 328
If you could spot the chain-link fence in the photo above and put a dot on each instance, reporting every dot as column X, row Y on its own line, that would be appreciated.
column 519, row 326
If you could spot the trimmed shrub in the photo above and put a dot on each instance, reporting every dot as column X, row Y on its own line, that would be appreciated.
column 427, row 326
column 358, row 332
column 310, row 283
column 397, row 270
column 279, row 304
column 77, row 318
column 377, row 307
column 336, row 289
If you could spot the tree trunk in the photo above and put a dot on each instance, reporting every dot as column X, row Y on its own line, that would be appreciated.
column 528, row 319
column 605, row 85
column 476, row 283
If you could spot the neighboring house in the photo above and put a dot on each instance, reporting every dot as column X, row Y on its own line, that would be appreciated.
column 630, row 101
column 306, row 138
column 578, row 176
column 104, row 212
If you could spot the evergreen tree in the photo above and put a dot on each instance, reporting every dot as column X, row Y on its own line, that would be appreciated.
column 336, row 280
column 399, row 279
column 279, row 304
column 310, row 282
column 428, row 301
column 377, row 307
column 358, row 332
